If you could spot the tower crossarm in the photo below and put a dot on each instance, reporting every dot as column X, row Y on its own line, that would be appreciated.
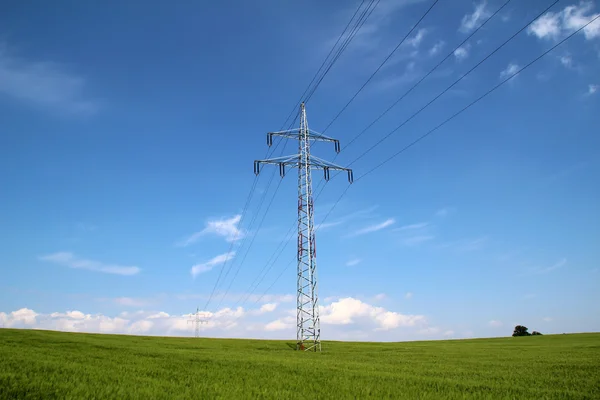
column 294, row 161
column 296, row 134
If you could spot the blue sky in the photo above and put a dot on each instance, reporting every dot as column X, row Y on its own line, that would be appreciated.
column 128, row 137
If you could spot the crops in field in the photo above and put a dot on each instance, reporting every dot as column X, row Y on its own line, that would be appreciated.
column 58, row 365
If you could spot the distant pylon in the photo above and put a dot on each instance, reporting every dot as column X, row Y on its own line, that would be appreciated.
column 308, row 330
column 200, row 318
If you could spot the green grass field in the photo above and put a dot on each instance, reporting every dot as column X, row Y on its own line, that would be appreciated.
column 56, row 365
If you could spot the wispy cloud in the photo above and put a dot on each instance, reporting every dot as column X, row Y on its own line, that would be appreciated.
column 592, row 89
column 349, row 217
column 411, row 227
column 43, row 83
column 559, row 264
column 566, row 61
column 70, row 260
column 224, row 227
column 437, row 48
column 410, row 74
column 416, row 40
column 495, row 324
column 408, row 295
column 554, row 25
column 353, row 262
column 207, row 266
column 380, row 296
column 547, row 319
column 471, row 21
column 132, row 302
column 467, row 245
column 417, row 240
column 462, row 52
column 414, row 234
column 511, row 69
column 444, row 212
column 374, row 228
column 372, row 32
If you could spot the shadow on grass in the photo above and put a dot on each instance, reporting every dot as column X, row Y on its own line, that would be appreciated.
column 291, row 346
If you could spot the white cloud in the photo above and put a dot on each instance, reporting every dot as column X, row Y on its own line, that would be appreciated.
column 327, row 225
column 280, row 324
column 72, row 261
column 416, row 40
column 436, row 48
column 554, row 25
column 207, row 266
column 375, row 228
column 417, row 240
column 461, row 53
column 227, row 228
column 467, row 245
column 370, row 35
column 43, row 83
column 69, row 314
column 510, row 70
column 380, row 296
column 547, row 26
column 444, row 212
column 547, row 319
column 130, row 302
column 346, row 318
column 408, row 295
column 420, row 225
column 449, row 333
column 267, row 308
column 349, row 217
column 471, row 21
column 348, row 311
column 353, row 262
column 160, row 314
column 559, row 264
column 432, row 330
column 140, row 327
column 495, row 324
column 566, row 60
column 592, row 89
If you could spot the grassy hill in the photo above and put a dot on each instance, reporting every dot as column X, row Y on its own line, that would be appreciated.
column 57, row 365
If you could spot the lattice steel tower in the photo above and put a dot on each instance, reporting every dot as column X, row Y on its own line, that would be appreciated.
column 308, row 330
column 200, row 318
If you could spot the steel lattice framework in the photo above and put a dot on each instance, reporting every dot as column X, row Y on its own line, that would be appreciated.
column 200, row 318
column 308, row 331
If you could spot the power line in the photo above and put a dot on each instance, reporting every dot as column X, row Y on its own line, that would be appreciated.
column 268, row 266
column 251, row 242
column 355, row 29
column 244, row 212
column 381, row 65
column 375, row 72
column 450, row 54
column 276, row 280
column 418, row 83
column 295, row 108
column 250, row 194
column 452, row 85
column 445, row 122
column 476, row 100
column 357, row 26
column 308, row 331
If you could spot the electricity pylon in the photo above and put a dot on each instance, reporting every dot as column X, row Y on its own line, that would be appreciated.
column 200, row 319
column 308, row 330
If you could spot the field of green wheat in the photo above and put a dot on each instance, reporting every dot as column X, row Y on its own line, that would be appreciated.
column 57, row 365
